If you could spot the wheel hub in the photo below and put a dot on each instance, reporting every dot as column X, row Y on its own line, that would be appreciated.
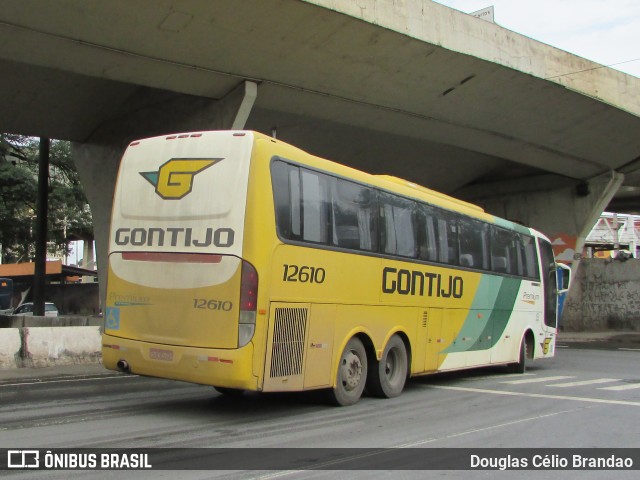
column 351, row 371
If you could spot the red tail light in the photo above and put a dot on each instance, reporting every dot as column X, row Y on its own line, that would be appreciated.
column 248, row 288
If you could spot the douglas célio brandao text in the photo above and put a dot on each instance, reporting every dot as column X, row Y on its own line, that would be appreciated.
column 550, row 462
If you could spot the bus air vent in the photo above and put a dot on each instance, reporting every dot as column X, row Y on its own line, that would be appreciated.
column 287, row 350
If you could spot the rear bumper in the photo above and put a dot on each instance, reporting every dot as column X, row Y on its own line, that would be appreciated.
column 206, row 366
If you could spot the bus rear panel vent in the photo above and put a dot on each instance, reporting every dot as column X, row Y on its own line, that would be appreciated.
column 287, row 350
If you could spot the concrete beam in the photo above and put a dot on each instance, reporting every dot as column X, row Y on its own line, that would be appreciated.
column 563, row 210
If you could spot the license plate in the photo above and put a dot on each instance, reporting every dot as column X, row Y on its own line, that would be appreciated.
column 159, row 354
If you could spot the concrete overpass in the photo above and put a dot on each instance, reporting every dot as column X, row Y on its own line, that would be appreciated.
column 411, row 88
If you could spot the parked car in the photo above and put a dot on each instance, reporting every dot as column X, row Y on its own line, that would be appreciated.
column 26, row 309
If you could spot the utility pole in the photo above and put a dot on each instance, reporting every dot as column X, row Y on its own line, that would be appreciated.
column 42, row 207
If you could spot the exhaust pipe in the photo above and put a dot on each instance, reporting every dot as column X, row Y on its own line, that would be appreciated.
column 123, row 366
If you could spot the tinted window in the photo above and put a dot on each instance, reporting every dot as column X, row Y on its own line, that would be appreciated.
column 280, row 175
column 397, row 226
column 354, row 216
column 321, row 209
column 473, row 240
column 427, row 230
column 316, row 205
column 530, row 257
column 504, row 257
column 447, row 239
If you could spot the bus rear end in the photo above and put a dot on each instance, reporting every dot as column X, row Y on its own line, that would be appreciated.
column 181, row 301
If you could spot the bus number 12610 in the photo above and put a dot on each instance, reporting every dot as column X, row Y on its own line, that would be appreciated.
column 303, row 274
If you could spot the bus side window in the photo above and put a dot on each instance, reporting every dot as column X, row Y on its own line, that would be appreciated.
column 281, row 174
column 504, row 258
column 427, row 234
column 396, row 226
column 530, row 257
column 315, row 207
column 294, row 201
column 448, row 239
column 354, row 216
column 473, row 244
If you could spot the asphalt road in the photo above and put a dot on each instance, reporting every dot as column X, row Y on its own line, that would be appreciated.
column 583, row 398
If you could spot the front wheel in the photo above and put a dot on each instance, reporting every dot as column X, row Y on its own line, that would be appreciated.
column 388, row 379
column 351, row 375
column 521, row 365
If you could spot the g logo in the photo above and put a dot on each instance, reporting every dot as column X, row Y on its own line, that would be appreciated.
column 174, row 179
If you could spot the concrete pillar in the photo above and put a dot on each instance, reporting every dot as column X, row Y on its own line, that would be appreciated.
column 149, row 113
column 88, row 255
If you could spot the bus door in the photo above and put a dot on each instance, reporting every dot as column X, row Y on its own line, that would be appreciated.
column 549, row 284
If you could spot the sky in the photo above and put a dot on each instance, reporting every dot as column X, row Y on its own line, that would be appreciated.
column 605, row 31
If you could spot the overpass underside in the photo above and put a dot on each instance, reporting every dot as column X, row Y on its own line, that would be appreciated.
column 413, row 89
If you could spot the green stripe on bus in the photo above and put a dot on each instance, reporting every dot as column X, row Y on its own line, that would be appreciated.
column 488, row 315
column 502, row 309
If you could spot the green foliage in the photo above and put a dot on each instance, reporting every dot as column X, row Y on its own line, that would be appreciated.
column 69, row 214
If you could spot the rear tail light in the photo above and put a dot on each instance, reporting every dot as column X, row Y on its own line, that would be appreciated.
column 248, row 303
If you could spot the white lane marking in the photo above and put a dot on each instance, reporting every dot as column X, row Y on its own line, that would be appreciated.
column 384, row 450
column 84, row 379
column 537, row 380
column 629, row 349
column 617, row 388
column 494, row 376
column 538, row 395
column 596, row 381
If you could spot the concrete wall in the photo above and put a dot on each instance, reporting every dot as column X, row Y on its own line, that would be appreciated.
column 10, row 344
column 56, row 342
column 605, row 295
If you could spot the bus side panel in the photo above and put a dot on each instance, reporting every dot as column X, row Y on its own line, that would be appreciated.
column 320, row 346
column 300, row 346
column 432, row 324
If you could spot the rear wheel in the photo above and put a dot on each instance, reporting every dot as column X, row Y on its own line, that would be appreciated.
column 388, row 379
column 351, row 375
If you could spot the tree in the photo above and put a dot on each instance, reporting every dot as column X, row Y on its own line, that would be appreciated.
column 69, row 214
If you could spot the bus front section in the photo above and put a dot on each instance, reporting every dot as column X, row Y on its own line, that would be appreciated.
column 181, row 300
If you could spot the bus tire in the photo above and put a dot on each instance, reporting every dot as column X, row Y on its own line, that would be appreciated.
column 388, row 379
column 352, row 374
column 521, row 365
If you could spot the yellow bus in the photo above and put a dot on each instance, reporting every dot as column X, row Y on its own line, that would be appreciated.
column 239, row 261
